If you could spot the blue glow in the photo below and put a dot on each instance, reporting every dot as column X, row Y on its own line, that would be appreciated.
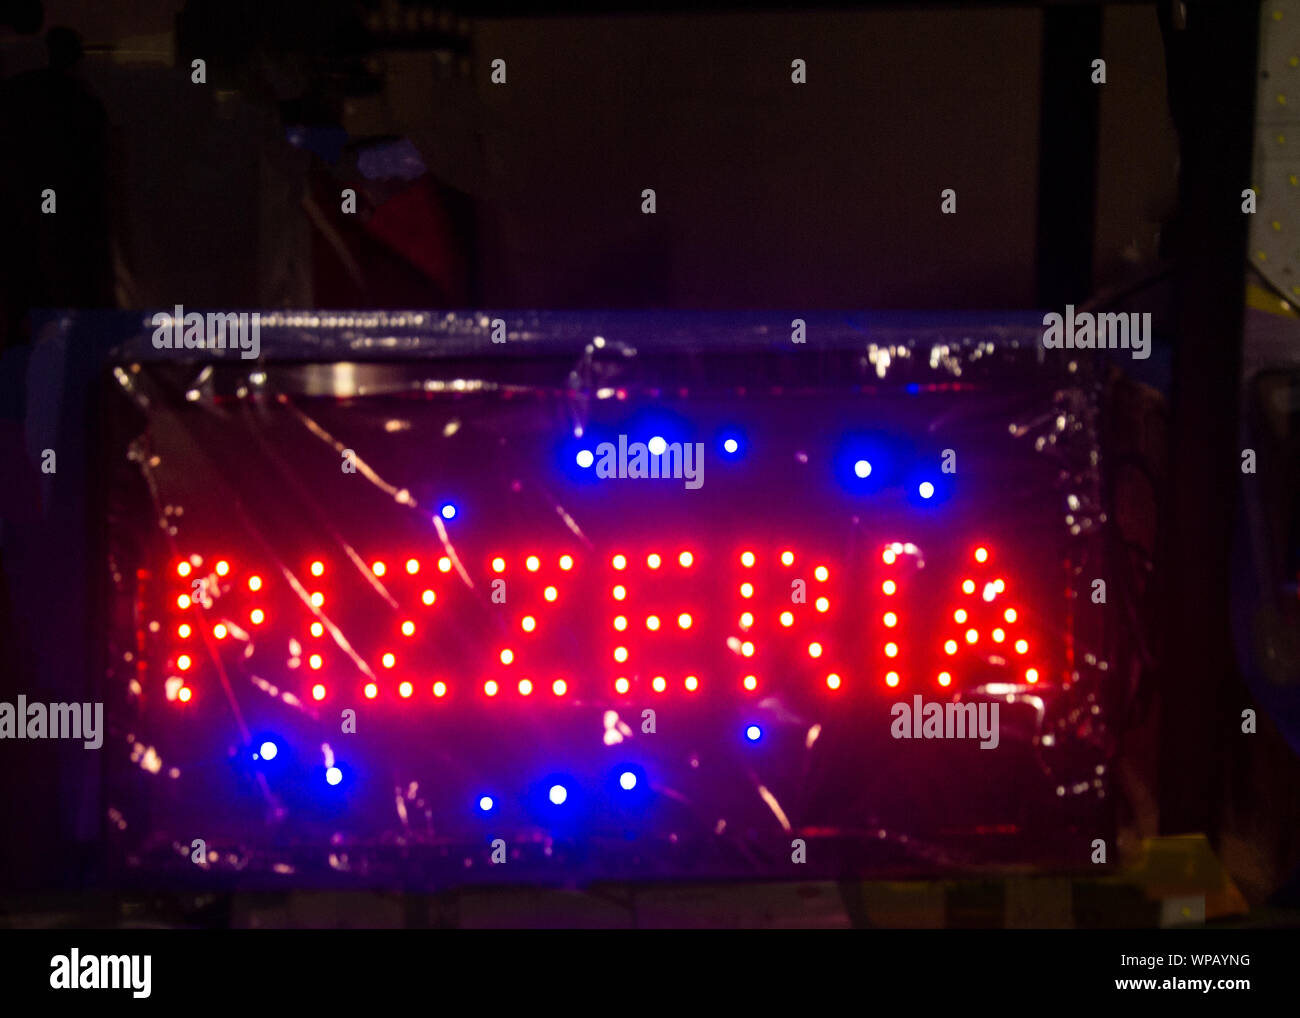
column 585, row 458
column 657, row 445
column 334, row 776
column 268, row 750
column 753, row 733
column 732, row 443
column 448, row 511
column 558, row 794
column 913, row 388
column 627, row 781
column 486, row 804
column 925, row 490
column 862, row 468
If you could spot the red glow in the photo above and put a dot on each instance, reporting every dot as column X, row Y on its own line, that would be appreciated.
column 823, row 604
column 685, row 559
column 684, row 620
column 491, row 688
column 444, row 564
column 619, row 562
column 746, row 590
column 566, row 562
column 318, row 568
column 183, row 569
column 653, row 561
column 620, row 654
column 317, row 599
column 378, row 568
column 891, row 679
column 550, row 593
column 371, row 691
column 890, row 619
column 498, row 565
column 525, row 687
column 318, row 692
column 659, row 683
column 315, row 661
column 428, row 597
column 408, row 628
column 889, row 586
column 257, row 616
column 1031, row 675
column 405, row 689
column 388, row 660
column 528, row 623
column 254, row 583
column 185, row 694
column 507, row 656
column 620, row 592
column 822, row 574
column 944, row 679
column 747, row 649
column 183, row 601
column 751, row 682
column 1009, row 615
column 815, row 649
column 787, row 558
column 183, row 662
column 219, row 631
column 183, row 630
column 440, row 689
column 691, row 683
column 317, row 629
column 621, row 685
column 559, row 687
column 412, row 566
column 968, row 586
column 950, row 647
column 532, row 563
column 787, row 618
column 747, row 558
column 972, row 635
column 981, row 554
column 652, row 622
column 833, row 681
column 223, row 567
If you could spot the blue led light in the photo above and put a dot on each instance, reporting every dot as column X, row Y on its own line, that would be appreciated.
column 627, row 781
column 558, row 794
column 585, row 458
column 732, row 443
column 862, row 468
column 657, row 445
column 925, row 489
column 268, row 750
column 486, row 804
column 334, row 776
column 448, row 511
column 753, row 733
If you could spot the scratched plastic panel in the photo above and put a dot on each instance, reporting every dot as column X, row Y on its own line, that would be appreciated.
column 425, row 552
